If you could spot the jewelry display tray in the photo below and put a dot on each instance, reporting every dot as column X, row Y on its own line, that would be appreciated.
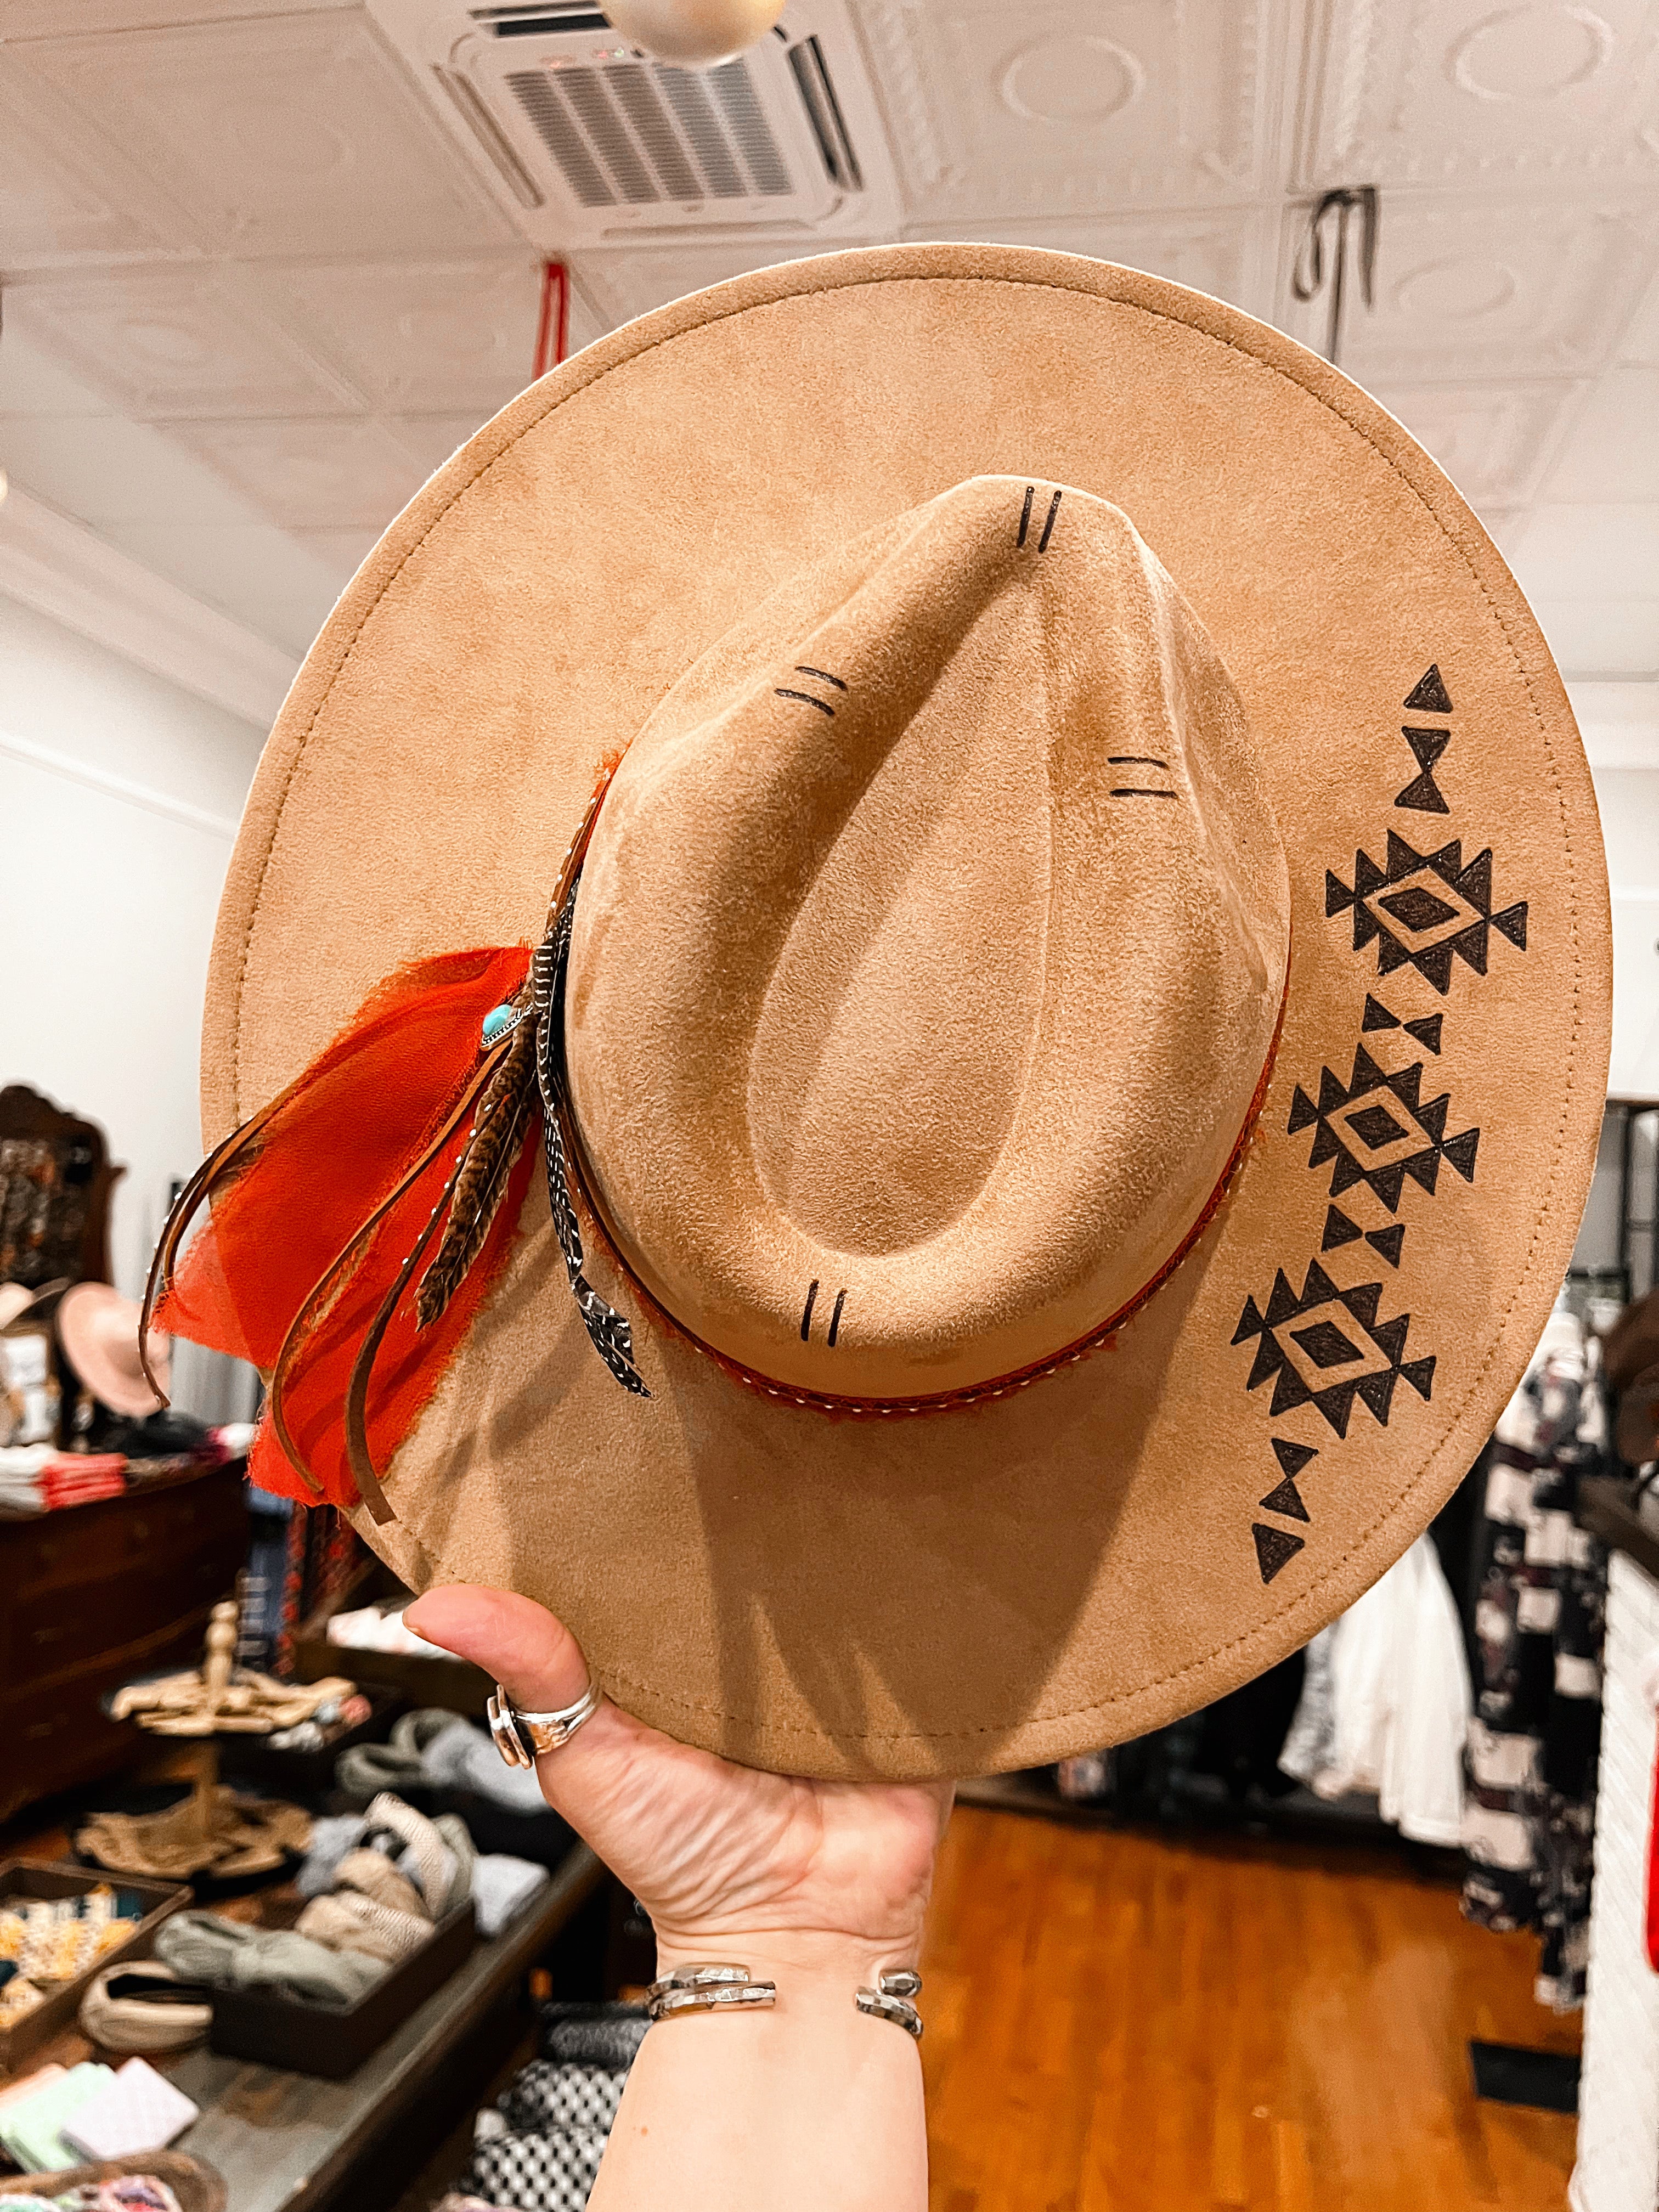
column 22, row 1881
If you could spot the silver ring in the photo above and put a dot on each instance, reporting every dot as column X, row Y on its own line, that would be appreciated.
column 521, row 1738
column 706, row 1989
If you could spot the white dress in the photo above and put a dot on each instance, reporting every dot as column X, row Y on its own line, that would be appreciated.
column 1390, row 1703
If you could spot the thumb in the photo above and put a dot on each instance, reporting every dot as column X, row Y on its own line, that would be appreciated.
column 539, row 1664
column 534, row 1657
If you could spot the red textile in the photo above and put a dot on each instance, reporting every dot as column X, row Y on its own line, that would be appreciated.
column 357, row 1121
column 1652, row 1929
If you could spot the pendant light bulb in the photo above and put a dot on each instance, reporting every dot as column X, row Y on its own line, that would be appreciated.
column 693, row 33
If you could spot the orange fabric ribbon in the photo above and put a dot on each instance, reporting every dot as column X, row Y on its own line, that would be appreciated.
column 315, row 1167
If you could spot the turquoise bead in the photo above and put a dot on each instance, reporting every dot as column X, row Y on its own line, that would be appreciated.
column 496, row 1023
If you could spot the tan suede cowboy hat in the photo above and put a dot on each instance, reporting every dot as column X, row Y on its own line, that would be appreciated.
column 1067, row 1056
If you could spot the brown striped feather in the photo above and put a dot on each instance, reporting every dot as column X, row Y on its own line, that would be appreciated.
column 485, row 1171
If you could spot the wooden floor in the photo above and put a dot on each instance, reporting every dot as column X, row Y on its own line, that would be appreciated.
column 1135, row 2021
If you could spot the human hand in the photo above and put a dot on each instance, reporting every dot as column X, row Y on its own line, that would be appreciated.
column 775, row 1872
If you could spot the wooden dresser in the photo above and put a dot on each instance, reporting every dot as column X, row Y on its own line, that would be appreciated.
column 93, row 1596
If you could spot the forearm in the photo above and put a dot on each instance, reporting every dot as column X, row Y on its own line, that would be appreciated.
column 810, row 2102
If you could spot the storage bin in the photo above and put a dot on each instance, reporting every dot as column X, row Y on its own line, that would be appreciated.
column 275, row 2031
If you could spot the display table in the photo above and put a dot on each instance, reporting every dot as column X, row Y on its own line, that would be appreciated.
column 286, row 2142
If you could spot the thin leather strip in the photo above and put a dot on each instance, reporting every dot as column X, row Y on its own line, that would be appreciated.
column 358, row 1455
column 184, row 1210
column 298, row 1325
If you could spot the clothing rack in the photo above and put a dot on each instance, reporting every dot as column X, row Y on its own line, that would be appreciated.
column 1638, row 1194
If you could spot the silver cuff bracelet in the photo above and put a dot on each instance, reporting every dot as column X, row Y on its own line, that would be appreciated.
column 520, row 1738
column 890, row 1999
column 718, row 1988
column 706, row 1989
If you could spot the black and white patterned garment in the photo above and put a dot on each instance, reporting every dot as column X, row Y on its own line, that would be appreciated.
column 538, row 2147
column 1540, row 1591
column 551, row 2172
column 549, row 2094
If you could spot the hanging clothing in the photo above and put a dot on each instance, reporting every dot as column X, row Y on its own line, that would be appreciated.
column 1541, row 1599
column 1385, row 1702
column 323, row 1555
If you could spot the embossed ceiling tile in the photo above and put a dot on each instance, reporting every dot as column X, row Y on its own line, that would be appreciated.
column 1076, row 106
column 1226, row 252
column 298, row 134
column 1612, row 452
column 624, row 284
column 167, row 339
column 36, row 383
column 1494, row 441
column 418, row 335
column 1536, row 287
column 1641, row 338
column 341, row 552
column 63, row 198
column 319, row 475
column 103, row 469
column 43, row 18
column 1467, row 92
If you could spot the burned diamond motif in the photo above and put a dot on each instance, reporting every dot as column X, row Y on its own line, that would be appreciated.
column 1376, row 1126
column 1417, row 909
column 1326, row 1346
column 1381, row 1141
column 1424, row 910
column 1377, row 1347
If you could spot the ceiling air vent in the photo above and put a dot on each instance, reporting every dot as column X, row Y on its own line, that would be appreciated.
column 589, row 141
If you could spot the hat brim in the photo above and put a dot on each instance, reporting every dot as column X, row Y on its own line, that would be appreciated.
column 1013, row 1582
column 90, row 1316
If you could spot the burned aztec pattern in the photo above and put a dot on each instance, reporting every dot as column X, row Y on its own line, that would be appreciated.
column 1424, row 910
column 1384, row 1130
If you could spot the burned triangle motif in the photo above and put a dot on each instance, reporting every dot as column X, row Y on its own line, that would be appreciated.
column 1285, row 1497
column 1428, row 695
column 1274, row 1548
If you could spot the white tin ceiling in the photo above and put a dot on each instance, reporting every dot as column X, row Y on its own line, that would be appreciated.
column 254, row 292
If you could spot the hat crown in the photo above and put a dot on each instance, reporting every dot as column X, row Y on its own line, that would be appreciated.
column 929, row 953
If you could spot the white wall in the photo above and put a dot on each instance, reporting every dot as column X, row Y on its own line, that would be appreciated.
column 1629, row 799
column 1621, row 727
column 120, row 794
